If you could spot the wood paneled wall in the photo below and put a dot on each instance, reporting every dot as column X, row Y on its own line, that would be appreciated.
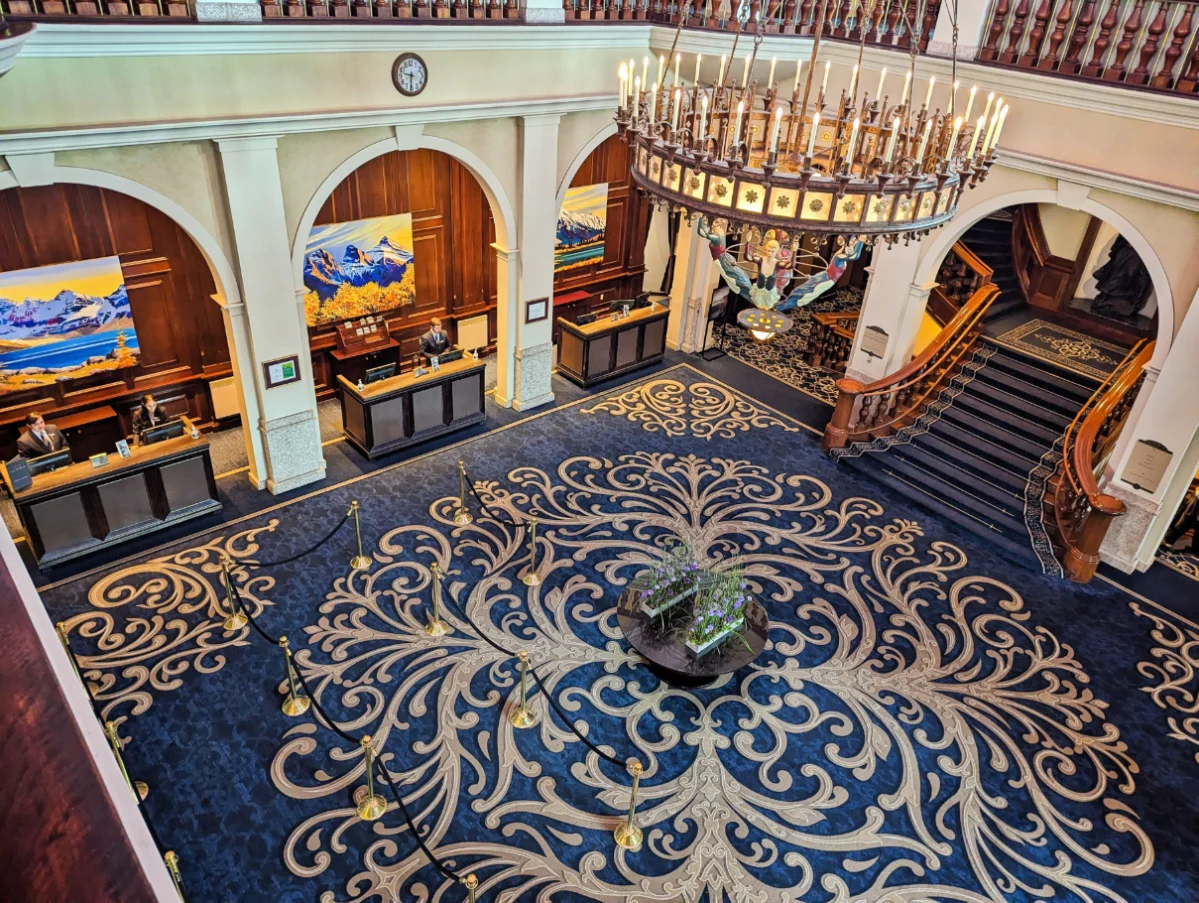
column 452, row 233
column 180, row 328
column 620, row 273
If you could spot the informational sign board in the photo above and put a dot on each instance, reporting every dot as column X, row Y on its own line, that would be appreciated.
column 1146, row 465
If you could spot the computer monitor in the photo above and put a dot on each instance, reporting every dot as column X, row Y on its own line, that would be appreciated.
column 374, row 374
column 452, row 355
column 171, row 429
column 584, row 319
column 617, row 305
column 52, row 461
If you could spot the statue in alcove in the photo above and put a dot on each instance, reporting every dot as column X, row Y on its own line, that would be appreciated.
column 1123, row 283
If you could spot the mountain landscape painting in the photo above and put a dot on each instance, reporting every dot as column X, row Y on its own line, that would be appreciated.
column 359, row 268
column 581, row 224
column 64, row 321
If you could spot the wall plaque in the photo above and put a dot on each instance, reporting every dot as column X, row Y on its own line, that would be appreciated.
column 874, row 341
column 1146, row 465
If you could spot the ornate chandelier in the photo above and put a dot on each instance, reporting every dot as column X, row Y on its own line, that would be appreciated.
column 862, row 167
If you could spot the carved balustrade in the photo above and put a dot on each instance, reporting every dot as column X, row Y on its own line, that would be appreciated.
column 830, row 340
column 1144, row 43
column 960, row 275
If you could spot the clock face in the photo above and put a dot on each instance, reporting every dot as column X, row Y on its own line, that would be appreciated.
column 410, row 74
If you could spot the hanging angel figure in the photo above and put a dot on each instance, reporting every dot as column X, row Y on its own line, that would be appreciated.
column 732, row 273
column 822, row 280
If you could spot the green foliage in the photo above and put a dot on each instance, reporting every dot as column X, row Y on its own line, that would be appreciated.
column 353, row 301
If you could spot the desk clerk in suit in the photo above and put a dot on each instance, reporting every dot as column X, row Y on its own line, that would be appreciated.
column 147, row 415
column 435, row 341
column 40, row 439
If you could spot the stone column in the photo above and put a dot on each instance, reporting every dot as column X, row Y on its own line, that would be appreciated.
column 695, row 278
column 228, row 11
column 537, row 217
column 1169, row 417
column 237, row 332
column 507, row 277
column 544, row 12
column 892, row 309
column 972, row 21
column 272, row 323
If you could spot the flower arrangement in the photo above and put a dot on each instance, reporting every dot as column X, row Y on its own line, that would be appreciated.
column 719, row 610
column 673, row 579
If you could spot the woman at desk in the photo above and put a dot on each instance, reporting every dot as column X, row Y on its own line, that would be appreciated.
column 148, row 414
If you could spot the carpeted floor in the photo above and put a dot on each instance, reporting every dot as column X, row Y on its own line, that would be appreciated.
column 927, row 723
column 1065, row 347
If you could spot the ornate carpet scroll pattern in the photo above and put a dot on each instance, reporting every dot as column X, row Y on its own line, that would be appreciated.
column 1173, row 672
column 1184, row 562
column 184, row 601
column 908, row 734
column 703, row 410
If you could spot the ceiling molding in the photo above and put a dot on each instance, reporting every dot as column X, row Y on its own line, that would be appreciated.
column 1097, row 178
column 260, row 126
column 226, row 39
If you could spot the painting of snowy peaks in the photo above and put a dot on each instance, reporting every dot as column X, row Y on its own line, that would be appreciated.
column 581, row 224
column 359, row 268
column 64, row 321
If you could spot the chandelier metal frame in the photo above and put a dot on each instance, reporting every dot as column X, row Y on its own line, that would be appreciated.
column 865, row 167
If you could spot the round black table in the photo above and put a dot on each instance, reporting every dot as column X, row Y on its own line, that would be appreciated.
column 662, row 641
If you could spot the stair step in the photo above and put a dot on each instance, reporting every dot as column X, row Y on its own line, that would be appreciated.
column 1041, row 408
column 955, row 472
column 1015, row 421
column 962, row 435
column 986, row 427
column 1009, row 475
column 963, row 518
column 1029, row 367
column 1044, row 396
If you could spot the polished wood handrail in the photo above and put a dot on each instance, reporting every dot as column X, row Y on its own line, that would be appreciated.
column 904, row 393
column 972, row 260
column 835, row 321
column 1082, row 512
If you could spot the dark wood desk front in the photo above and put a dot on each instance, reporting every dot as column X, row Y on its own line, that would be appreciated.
column 606, row 348
column 80, row 509
column 404, row 410
column 354, row 364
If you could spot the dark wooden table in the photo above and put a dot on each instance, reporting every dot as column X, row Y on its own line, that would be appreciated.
column 80, row 509
column 606, row 348
column 353, row 364
column 394, row 413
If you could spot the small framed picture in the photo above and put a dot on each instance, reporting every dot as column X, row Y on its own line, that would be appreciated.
column 347, row 325
column 282, row 371
column 537, row 309
column 99, row 460
column 358, row 331
column 123, row 448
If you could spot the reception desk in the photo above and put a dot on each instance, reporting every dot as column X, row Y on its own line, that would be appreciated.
column 80, row 509
column 404, row 410
column 606, row 348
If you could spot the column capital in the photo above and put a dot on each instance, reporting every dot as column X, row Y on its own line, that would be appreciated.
column 508, row 255
column 541, row 120
column 251, row 143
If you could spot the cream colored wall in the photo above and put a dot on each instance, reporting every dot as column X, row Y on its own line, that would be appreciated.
column 60, row 92
column 575, row 132
column 1064, row 229
column 496, row 142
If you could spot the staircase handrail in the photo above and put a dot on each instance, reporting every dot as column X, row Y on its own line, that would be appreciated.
column 941, row 356
column 836, row 321
column 973, row 261
column 1082, row 529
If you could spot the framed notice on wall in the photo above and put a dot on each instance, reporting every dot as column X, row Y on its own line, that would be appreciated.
column 537, row 309
column 1146, row 465
column 282, row 371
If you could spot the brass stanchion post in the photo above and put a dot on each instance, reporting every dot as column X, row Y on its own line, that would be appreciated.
column 436, row 626
column 296, row 702
column 172, row 862
column 531, row 577
column 66, row 644
column 359, row 562
column 472, row 886
column 522, row 715
column 628, row 835
column 462, row 516
column 373, row 805
column 237, row 618
column 139, row 788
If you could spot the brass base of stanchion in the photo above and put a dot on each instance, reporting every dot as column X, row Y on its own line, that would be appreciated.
column 360, row 562
column 372, row 808
column 522, row 716
column 296, row 705
column 236, row 621
column 628, row 836
column 437, row 627
column 462, row 517
column 142, row 789
column 532, row 578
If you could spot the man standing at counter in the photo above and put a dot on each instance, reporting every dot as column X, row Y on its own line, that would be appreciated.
column 436, row 341
column 40, row 439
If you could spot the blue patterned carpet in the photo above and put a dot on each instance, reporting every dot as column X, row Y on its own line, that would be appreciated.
column 928, row 723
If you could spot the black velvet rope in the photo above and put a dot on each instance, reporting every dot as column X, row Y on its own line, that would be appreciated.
column 251, row 563
column 483, row 505
column 274, row 641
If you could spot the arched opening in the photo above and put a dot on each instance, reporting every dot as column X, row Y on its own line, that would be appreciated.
column 93, row 263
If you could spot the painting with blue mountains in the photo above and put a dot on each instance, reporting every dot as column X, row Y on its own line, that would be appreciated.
column 64, row 321
column 357, row 268
column 582, row 223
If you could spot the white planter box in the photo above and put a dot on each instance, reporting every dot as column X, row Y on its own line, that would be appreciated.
column 717, row 639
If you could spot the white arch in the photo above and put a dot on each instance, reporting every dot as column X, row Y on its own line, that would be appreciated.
column 580, row 158
column 501, row 208
column 926, row 271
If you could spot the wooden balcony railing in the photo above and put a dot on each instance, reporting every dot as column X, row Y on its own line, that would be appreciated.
column 961, row 275
column 1144, row 43
column 1077, row 513
column 357, row 10
column 830, row 340
column 864, row 413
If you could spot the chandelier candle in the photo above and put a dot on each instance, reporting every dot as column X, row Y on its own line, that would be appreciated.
column 678, row 58
column 645, row 70
column 623, row 89
column 891, row 140
column 798, row 68
column 970, row 102
column 745, row 73
column 737, row 127
column 953, row 141
column 928, row 129
column 853, row 83
column 724, row 61
column 853, row 139
column 978, row 130
column 678, row 102
column 987, row 108
column 636, row 97
column 653, row 104
column 774, row 134
column 812, row 135
column 998, row 128
column 953, row 100
column 703, row 119
column 698, row 59
column 661, row 68
column 773, row 62
column 882, row 79
column 928, row 97
column 907, row 84
column 824, row 81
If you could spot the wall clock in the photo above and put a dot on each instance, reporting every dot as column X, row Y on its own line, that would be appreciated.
column 409, row 74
